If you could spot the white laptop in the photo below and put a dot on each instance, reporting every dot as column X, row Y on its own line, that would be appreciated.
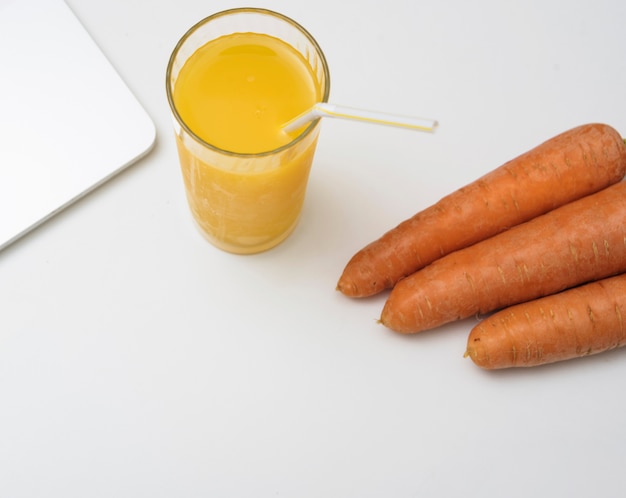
column 68, row 122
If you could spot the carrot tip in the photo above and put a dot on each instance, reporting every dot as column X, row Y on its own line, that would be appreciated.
column 348, row 290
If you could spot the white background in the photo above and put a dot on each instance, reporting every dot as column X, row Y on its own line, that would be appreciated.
column 136, row 360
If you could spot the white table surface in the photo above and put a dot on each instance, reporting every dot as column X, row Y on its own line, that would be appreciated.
column 138, row 361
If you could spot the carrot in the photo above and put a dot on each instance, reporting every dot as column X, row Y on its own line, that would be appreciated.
column 569, row 166
column 577, row 322
column 576, row 243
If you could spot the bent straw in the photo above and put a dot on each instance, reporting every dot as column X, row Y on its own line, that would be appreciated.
column 324, row 109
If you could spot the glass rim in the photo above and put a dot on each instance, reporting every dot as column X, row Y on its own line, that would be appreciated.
column 202, row 22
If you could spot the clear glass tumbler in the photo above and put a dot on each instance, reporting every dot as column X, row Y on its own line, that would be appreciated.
column 246, row 202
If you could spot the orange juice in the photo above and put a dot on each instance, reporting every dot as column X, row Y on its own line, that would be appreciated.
column 245, row 178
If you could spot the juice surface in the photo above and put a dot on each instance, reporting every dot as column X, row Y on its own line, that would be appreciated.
column 235, row 92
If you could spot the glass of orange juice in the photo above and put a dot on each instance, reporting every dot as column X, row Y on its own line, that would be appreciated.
column 232, row 81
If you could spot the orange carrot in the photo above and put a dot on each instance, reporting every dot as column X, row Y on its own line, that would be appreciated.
column 577, row 322
column 576, row 243
column 565, row 168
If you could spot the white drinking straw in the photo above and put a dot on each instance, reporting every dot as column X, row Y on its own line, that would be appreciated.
column 324, row 109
